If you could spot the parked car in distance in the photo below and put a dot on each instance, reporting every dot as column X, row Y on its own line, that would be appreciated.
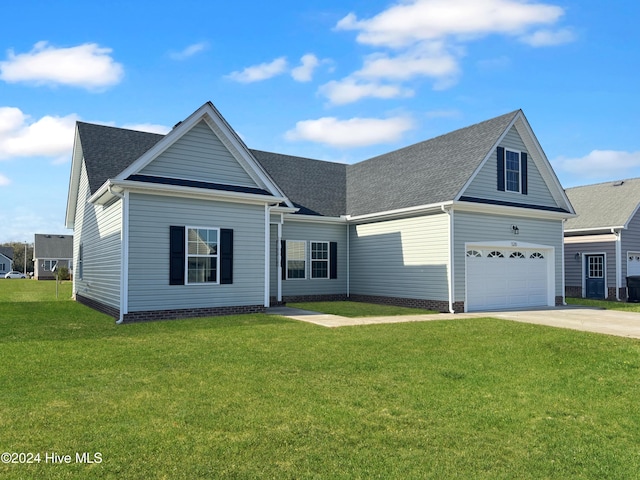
column 14, row 274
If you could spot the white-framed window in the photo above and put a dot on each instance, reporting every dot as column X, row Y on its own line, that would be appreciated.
column 537, row 256
column 517, row 255
column 296, row 259
column 202, row 259
column 474, row 253
column 49, row 264
column 512, row 171
column 495, row 254
column 319, row 259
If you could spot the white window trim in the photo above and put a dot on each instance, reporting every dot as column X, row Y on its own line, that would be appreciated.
column 506, row 170
column 328, row 260
column 306, row 261
column 187, row 255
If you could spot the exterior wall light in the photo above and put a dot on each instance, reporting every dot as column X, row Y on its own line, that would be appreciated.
column 515, row 229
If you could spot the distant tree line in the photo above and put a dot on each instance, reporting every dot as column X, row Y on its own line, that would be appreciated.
column 18, row 255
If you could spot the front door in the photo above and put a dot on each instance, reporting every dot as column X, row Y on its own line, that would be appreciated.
column 594, row 266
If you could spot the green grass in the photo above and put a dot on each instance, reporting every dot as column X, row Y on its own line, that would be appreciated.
column 358, row 309
column 261, row 396
column 606, row 304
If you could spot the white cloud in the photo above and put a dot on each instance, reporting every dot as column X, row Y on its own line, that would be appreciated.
column 87, row 66
column 49, row 136
column 350, row 90
column 598, row 166
column 189, row 51
column 304, row 72
column 413, row 21
column 148, row 127
column 355, row 132
column 260, row 72
column 549, row 38
column 4, row 181
column 425, row 38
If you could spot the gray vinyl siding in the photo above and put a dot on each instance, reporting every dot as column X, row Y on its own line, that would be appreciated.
column 311, row 232
column 630, row 243
column 98, row 228
column 485, row 184
column 574, row 266
column 199, row 155
column 150, row 217
column 478, row 227
column 404, row 258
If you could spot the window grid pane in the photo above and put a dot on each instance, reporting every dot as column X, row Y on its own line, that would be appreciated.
column 319, row 260
column 202, row 255
column 296, row 259
column 512, row 171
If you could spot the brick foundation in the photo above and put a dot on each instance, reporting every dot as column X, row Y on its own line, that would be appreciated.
column 313, row 298
column 437, row 305
column 99, row 306
column 152, row 315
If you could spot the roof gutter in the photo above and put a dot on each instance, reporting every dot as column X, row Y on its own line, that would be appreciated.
column 400, row 212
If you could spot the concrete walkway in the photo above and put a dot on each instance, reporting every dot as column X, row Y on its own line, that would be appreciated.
column 610, row 322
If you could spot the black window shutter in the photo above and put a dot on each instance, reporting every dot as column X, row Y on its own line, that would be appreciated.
column 333, row 260
column 226, row 256
column 523, row 174
column 283, row 258
column 176, row 255
column 500, row 169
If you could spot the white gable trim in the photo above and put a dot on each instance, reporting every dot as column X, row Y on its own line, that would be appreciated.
column 226, row 135
column 536, row 153
column 74, row 180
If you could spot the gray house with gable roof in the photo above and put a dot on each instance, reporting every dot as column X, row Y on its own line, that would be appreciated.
column 602, row 244
column 195, row 223
column 6, row 260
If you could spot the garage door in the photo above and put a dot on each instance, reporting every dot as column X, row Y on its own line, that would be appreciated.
column 500, row 277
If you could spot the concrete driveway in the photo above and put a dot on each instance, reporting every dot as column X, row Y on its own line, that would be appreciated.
column 610, row 322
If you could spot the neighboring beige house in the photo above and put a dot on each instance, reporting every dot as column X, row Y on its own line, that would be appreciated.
column 50, row 251
column 602, row 244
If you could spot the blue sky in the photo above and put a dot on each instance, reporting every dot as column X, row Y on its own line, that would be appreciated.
column 335, row 80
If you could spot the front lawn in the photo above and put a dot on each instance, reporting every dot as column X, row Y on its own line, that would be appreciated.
column 606, row 304
column 358, row 309
column 260, row 396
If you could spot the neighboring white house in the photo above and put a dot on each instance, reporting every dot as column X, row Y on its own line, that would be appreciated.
column 195, row 223
column 49, row 251
column 6, row 260
column 602, row 244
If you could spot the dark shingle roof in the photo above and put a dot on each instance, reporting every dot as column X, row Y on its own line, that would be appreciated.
column 7, row 252
column 109, row 150
column 428, row 172
column 314, row 186
column 53, row 246
column 603, row 205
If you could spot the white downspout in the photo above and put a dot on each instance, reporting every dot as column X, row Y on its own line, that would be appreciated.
column 348, row 262
column 279, row 258
column 124, row 252
column 564, row 288
column 618, row 235
column 267, row 238
column 450, row 270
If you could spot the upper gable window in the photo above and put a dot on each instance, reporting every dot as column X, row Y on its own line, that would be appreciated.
column 512, row 171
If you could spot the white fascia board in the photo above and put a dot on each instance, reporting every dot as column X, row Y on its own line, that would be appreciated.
column 595, row 230
column 104, row 193
column 401, row 212
column 635, row 210
column 510, row 211
column 314, row 219
column 74, row 180
column 547, row 172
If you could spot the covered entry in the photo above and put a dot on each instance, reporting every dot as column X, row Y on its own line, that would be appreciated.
column 509, row 275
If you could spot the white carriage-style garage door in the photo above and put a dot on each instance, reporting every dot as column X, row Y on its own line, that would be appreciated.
column 500, row 277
